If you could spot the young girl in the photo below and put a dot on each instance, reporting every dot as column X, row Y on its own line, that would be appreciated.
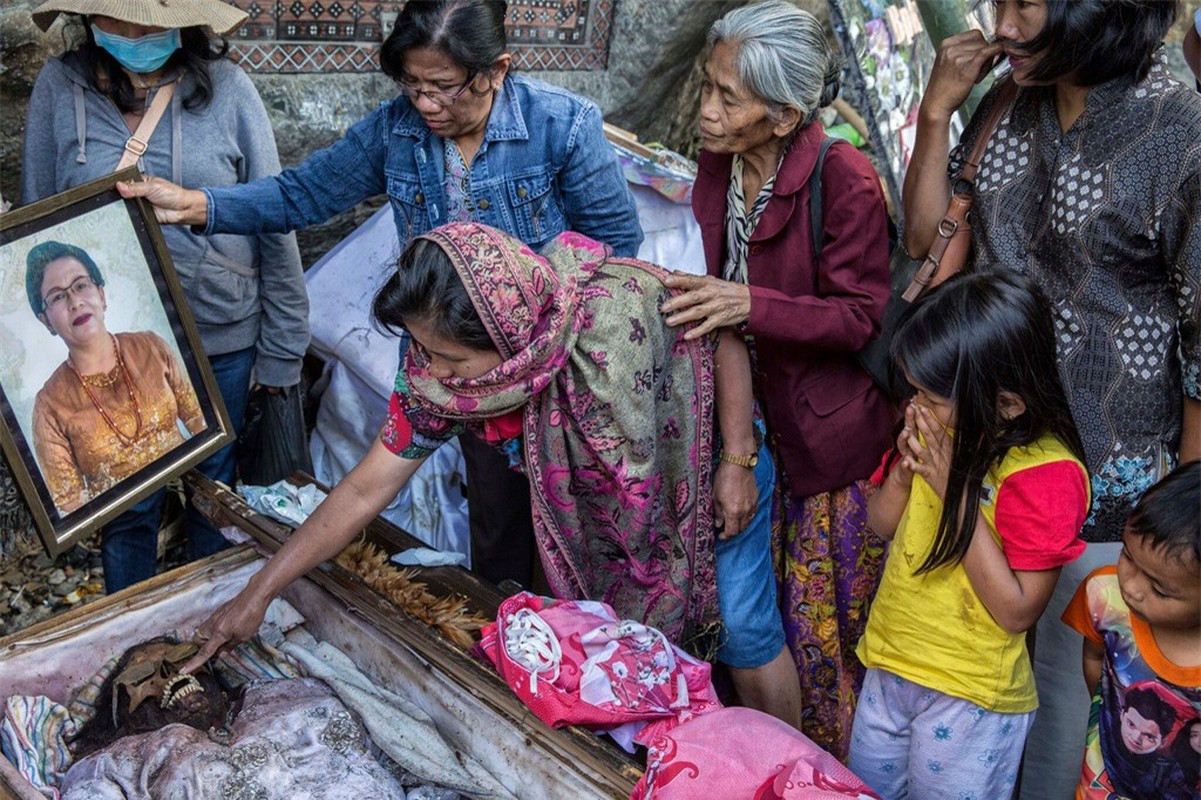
column 983, row 497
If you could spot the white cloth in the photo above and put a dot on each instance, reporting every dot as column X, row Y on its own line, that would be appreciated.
column 290, row 739
column 399, row 727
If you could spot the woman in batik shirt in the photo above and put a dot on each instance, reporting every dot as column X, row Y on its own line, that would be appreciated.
column 114, row 405
column 1091, row 185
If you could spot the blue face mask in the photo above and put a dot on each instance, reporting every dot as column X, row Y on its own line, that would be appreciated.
column 144, row 54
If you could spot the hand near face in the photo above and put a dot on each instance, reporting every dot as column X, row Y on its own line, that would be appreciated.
column 962, row 62
column 901, row 472
column 929, row 448
column 233, row 623
column 707, row 301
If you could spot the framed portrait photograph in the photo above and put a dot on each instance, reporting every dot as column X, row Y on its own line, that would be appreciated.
column 105, row 391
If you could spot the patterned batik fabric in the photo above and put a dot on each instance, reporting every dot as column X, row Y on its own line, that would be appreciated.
column 1156, row 754
column 828, row 566
column 618, row 440
column 1106, row 219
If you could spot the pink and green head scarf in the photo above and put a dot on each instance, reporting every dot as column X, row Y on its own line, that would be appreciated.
column 617, row 419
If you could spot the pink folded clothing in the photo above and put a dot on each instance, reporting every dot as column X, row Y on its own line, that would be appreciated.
column 739, row 752
column 573, row 662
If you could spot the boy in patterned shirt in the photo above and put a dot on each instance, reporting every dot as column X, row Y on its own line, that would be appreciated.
column 1141, row 622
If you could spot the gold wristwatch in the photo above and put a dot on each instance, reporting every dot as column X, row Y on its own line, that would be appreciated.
column 750, row 462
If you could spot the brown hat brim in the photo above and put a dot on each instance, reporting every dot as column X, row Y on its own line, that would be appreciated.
column 222, row 17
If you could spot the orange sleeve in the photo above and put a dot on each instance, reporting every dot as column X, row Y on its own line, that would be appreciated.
column 60, row 471
column 190, row 412
column 1077, row 616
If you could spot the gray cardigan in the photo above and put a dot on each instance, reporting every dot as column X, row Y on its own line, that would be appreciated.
column 244, row 291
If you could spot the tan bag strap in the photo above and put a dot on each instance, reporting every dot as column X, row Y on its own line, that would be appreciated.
column 1005, row 95
column 136, row 144
column 955, row 220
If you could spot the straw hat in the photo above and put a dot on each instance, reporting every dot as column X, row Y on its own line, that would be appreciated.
column 222, row 17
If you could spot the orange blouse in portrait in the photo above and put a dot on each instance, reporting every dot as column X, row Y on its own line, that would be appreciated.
column 88, row 439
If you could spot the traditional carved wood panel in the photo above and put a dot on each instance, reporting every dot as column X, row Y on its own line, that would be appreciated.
column 344, row 35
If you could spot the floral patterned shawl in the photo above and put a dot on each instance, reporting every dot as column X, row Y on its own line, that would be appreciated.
column 617, row 425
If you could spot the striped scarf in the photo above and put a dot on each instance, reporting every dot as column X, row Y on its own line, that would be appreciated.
column 740, row 223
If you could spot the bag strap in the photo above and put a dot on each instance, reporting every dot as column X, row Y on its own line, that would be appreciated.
column 816, row 223
column 136, row 144
column 961, row 201
column 1005, row 94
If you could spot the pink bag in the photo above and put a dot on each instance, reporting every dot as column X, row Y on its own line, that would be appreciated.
column 742, row 753
column 574, row 663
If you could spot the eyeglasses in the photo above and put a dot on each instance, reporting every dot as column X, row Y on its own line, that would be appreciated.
column 78, row 287
column 439, row 97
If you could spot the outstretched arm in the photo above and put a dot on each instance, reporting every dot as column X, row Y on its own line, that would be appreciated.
column 596, row 197
column 173, row 204
column 354, row 502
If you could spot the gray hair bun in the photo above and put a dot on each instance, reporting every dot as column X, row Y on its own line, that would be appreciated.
column 832, row 83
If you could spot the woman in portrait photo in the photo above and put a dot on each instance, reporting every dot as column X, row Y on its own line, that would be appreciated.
column 116, row 404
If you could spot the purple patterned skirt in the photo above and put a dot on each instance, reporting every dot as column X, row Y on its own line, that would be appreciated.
column 828, row 566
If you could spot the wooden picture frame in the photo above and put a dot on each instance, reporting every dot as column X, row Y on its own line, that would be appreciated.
column 85, row 445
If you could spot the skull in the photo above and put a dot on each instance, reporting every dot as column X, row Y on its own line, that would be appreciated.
column 148, row 691
column 154, row 673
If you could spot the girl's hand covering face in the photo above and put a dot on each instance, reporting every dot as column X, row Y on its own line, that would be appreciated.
column 929, row 448
column 901, row 472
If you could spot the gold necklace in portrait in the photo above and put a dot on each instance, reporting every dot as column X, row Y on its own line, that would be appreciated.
column 133, row 398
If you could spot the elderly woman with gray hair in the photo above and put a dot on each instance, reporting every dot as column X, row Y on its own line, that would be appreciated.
column 803, row 317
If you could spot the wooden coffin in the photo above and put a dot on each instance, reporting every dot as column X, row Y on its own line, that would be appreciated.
column 474, row 710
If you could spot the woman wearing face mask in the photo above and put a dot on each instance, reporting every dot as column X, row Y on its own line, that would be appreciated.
column 246, row 292
column 465, row 141
column 1091, row 186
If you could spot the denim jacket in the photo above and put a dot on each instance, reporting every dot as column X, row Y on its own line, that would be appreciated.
column 544, row 167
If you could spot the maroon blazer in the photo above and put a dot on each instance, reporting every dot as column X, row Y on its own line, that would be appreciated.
column 829, row 423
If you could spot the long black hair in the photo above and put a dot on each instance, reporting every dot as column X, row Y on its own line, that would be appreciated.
column 104, row 73
column 1096, row 41
column 426, row 287
column 969, row 340
column 470, row 32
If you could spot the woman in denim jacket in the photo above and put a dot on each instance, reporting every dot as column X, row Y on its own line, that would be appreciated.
column 464, row 141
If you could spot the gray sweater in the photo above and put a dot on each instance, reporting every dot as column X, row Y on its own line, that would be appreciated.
column 244, row 291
